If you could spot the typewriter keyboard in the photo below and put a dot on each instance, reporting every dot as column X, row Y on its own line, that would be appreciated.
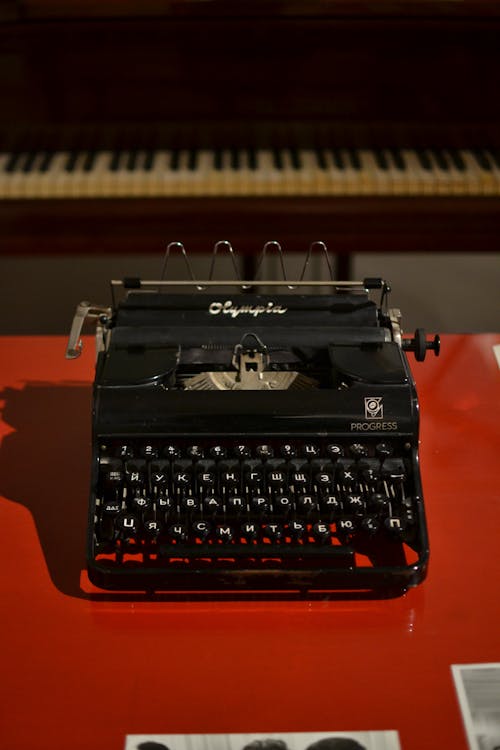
column 255, row 503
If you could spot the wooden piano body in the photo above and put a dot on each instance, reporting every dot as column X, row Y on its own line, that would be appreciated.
column 372, row 126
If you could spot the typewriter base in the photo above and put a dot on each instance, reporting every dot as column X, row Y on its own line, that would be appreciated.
column 381, row 583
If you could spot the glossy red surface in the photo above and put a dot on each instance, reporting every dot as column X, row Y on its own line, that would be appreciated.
column 81, row 671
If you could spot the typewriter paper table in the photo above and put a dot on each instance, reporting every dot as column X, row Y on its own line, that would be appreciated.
column 82, row 669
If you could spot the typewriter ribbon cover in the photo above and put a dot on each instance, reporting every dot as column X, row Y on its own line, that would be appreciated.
column 254, row 441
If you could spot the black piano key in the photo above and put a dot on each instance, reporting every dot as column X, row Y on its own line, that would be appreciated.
column 28, row 162
column 440, row 159
column 381, row 159
column 131, row 161
column 89, row 161
column 71, row 162
column 398, row 159
column 192, row 159
column 235, row 159
column 46, row 161
column 295, row 159
column 12, row 162
column 457, row 160
column 149, row 160
column 277, row 158
column 424, row 159
column 114, row 164
column 321, row 158
column 174, row 159
column 354, row 159
column 218, row 159
column 494, row 154
column 252, row 158
column 482, row 159
column 338, row 159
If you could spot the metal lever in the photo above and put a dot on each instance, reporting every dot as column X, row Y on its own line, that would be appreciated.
column 83, row 312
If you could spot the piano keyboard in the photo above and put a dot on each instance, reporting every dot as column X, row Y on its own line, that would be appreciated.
column 249, row 173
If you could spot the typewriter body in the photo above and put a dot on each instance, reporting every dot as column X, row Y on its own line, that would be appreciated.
column 257, row 442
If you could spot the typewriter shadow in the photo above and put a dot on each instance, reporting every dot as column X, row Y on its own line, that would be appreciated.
column 44, row 465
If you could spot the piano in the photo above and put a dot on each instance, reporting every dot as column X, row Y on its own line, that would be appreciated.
column 371, row 126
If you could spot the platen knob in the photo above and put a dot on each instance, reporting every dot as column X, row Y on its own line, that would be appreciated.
column 419, row 345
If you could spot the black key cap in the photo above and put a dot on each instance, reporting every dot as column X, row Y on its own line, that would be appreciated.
column 212, row 505
column 354, row 504
column 153, row 528
column 396, row 526
column 217, row 451
column 140, row 503
column 124, row 451
column 171, row 451
column 218, row 159
column 71, row 162
column 331, row 505
column 306, row 504
column 202, row 530
column 370, row 524
column 111, row 508
column 149, row 451
column 190, row 504
column 159, row 473
column 384, row 450
column 260, row 504
column 272, row 531
column 276, row 479
column 282, row 504
column 296, row 529
column 346, row 525
column 334, row 451
column 321, row 532
column 178, row 532
column 242, row 451
column 195, row 451
column 127, row 525
column 310, row 450
column 358, row 450
column 288, row 450
column 235, row 505
column 264, row 451
column 249, row 531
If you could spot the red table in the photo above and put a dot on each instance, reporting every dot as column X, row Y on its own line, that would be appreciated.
column 81, row 671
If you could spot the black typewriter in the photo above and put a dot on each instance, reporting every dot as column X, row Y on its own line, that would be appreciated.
column 251, row 441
